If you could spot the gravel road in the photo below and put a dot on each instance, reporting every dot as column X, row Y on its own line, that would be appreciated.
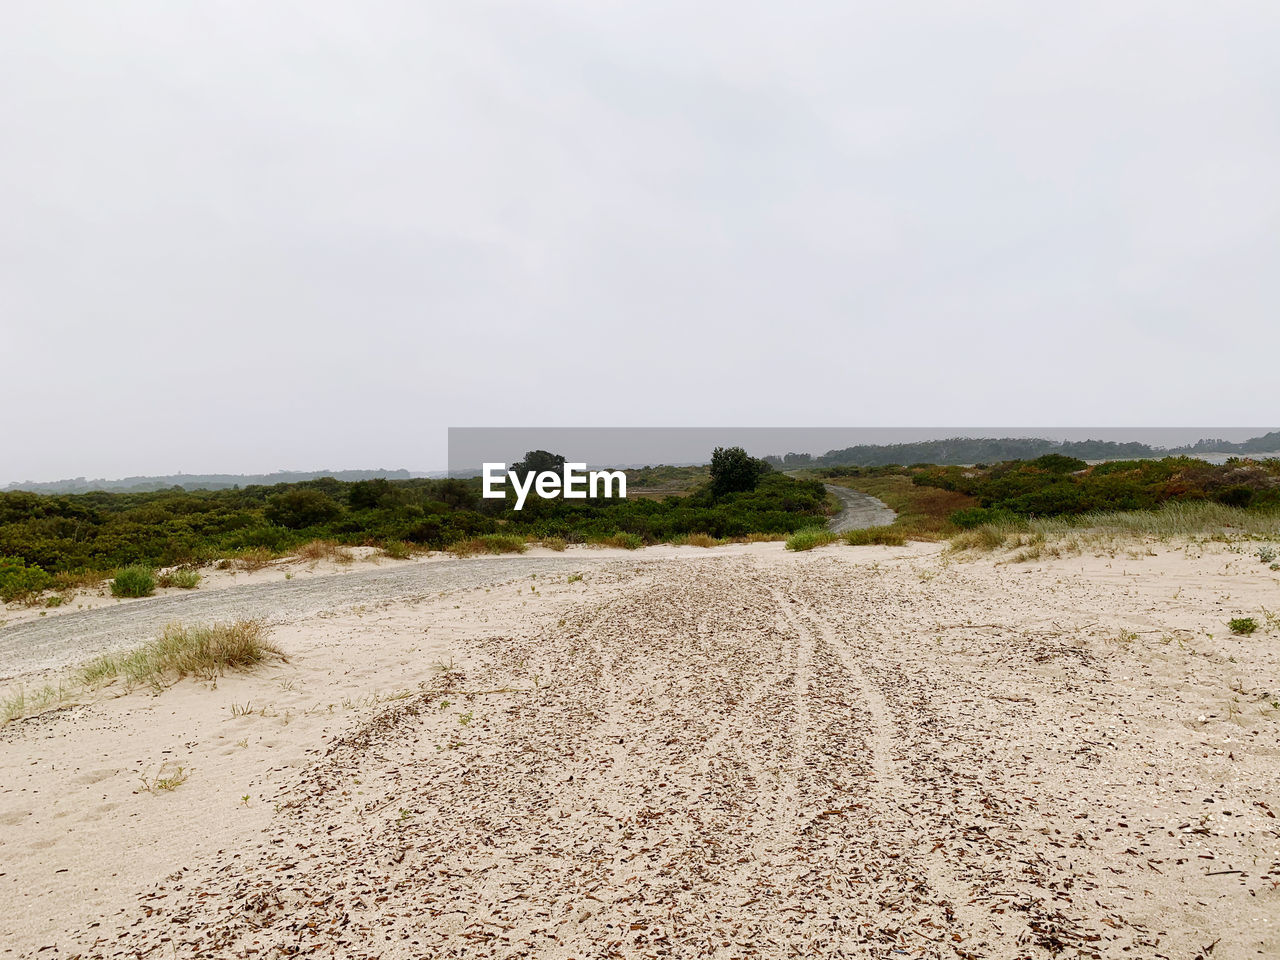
column 72, row 637
column 861, row 510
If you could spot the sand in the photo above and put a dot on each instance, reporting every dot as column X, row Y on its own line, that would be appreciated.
column 858, row 751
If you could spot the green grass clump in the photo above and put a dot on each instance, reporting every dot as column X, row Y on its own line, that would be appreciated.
column 1243, row 625
column 623, row 541
column 23, row 703
column 182, row 579
column 204, row 651
column 884, row 536
column 133, row 582
column 554, row 543
column 397, row 550
column 811, row 537
column 19, row 580
column 489, row 543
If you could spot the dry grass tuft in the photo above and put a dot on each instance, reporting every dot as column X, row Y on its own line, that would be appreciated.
column 764, row 537
column 253, row 558
column 554, row 543
column 318, row 550
column 1112, row 531
column 203, row 651
column 80, row 579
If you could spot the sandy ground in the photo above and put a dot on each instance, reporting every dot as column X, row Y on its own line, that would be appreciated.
column 859, row 751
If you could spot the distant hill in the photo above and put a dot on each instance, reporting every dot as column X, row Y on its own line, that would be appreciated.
column 964, row 450
column 203, row 481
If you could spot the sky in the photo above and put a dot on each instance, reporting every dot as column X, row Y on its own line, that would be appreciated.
column 242, row 237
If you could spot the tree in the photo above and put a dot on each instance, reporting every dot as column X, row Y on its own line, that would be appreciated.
column 538, row 461
column 733, row 470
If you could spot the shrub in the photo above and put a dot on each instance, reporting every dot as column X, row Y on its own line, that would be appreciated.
column 700, row 540
column 301, row 508
column 183, row 579
column 1266, row 554
column 1057, row 463
column 811, row 537
column 971, row 517
column 19, row 580
column 554, row 543
column 1235, row 496
column 1243, row 625
column 133, row 582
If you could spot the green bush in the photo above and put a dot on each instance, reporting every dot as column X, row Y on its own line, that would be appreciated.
column 1243, row 625
column 300, row 508
column 972, row 517
column 19, row 580
column 133, row 582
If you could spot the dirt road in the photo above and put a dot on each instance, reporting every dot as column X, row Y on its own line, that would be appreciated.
column 70, row 638
column 786, row 756
column 859, row 510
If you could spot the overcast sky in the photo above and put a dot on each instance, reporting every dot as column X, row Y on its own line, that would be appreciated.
column 244, row 236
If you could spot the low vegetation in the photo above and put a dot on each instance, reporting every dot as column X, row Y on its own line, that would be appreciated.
column 203, row 651
column 133, row 581
column 811, row 537
column 181, row 578
column 1057, row 536
column 19, row 580
column 397, row 550
column 1243, row 625
column 891, row 536
column 488, row 543
column 1056, row 504
column 253, row 527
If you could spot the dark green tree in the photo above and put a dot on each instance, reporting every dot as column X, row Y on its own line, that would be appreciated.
column 733, row 470
column 538, row 461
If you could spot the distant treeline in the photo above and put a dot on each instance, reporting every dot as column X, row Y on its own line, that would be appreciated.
column 975, row 450
column 201, row 481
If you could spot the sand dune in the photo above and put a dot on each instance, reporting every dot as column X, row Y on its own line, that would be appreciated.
column 737, row 752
